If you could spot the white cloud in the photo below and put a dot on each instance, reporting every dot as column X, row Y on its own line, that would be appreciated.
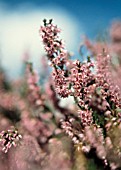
column 19, row 31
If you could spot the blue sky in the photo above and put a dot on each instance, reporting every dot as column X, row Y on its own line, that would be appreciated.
column 93, row 14
column 20, row 22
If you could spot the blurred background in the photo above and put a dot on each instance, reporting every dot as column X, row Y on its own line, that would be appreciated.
column 29, row 101
column 20, row 22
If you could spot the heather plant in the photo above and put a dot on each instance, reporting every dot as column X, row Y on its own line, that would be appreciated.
column 112, row 45
column 38, row 131
column 96, row 95
column 29, row 110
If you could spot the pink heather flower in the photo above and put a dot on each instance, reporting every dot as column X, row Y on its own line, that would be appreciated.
column 104, row 79
column 61, row 83
column 69, row 130
column 49, row 34
column 53, row 46
column 86, row 117
column 58, row 58
column 83, row 81
column 96, row 47
column 35, row 96
column 115, row 35
column 9, row 138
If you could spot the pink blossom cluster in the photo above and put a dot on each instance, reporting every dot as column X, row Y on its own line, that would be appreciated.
column 58, row 57
column 115, row 35
column 35, row 95
column 49, row 34
column 9, row 138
